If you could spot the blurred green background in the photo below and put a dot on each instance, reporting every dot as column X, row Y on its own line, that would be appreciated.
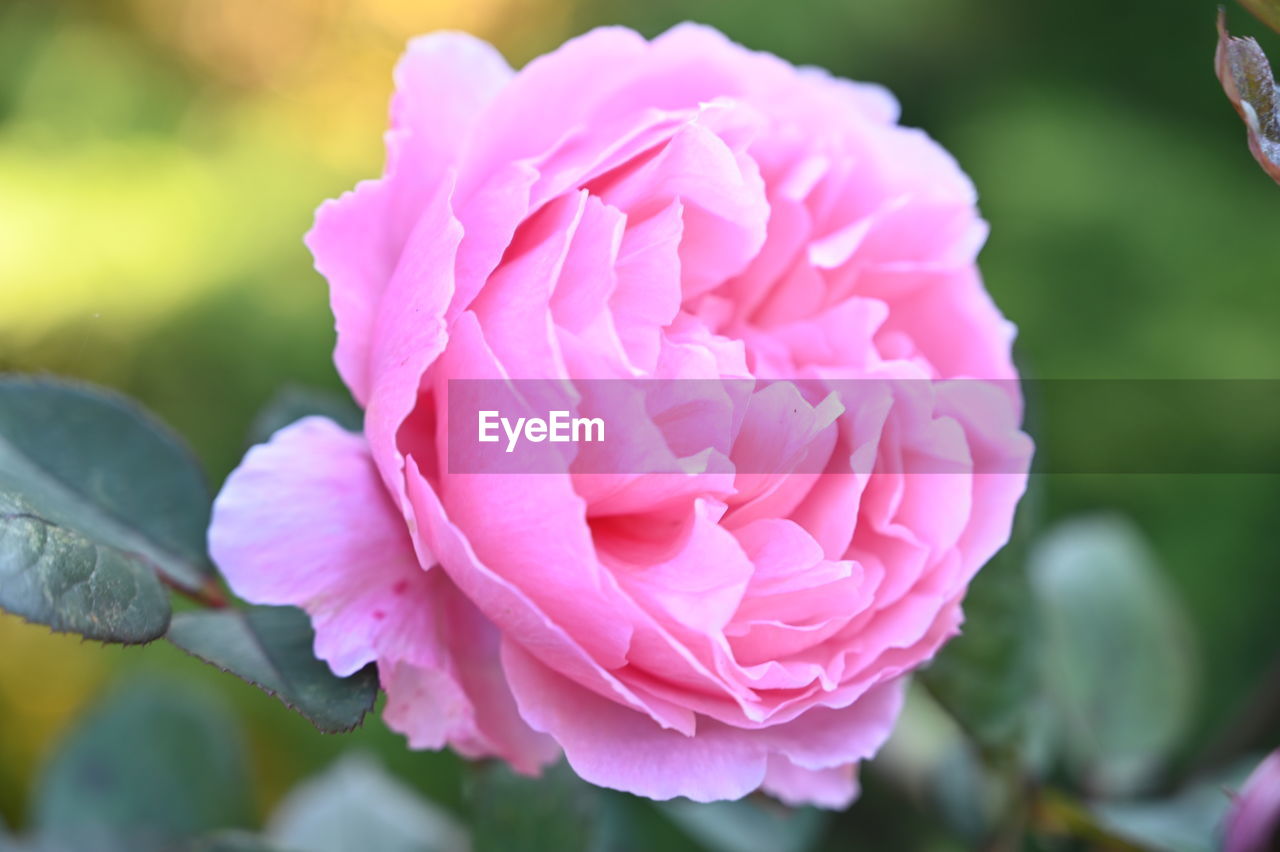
column 160, row 160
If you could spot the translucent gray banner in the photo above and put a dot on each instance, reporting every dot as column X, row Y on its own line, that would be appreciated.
column 859, row 426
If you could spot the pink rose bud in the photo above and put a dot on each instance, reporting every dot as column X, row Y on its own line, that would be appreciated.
column 1246, row 77
column 716, row 249
column 1253, row 825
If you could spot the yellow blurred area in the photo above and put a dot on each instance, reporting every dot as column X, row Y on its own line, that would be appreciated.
column 267, row 108
column 76, row 225
column 306, row 44
column 46, row 679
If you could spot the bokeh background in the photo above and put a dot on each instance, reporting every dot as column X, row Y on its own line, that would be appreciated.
column 160, row 160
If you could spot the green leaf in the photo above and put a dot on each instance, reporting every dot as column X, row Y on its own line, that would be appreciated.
column 233, row 841
column 271, row 647
column 153, row 765
column 293, row 402
column 747, row 825
column 987, row 677
column 1119, row 660
column 1190, row 821
column 512, row 813
column 930, row 757
column 558, row 811
column 91, row 461
column 7, row 841
column 967, row 796
column 629, row 823
column 54, row 576
column 357, row 805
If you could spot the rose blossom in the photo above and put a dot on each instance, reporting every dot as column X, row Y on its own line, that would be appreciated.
column 674, row 209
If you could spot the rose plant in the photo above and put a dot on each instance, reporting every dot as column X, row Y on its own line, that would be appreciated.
column 762, row 288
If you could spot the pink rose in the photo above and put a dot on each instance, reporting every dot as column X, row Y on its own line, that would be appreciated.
column 675, row 209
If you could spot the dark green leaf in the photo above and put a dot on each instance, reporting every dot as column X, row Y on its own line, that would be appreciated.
column 1190, row 821
column 55, row 576
column 234, row 841
column 632, row 824
column 1119, row 661
column 292, row 403
column 559, row 811
column 271, row 647
column 930, row 757
column 512, row 813
column 357, row 805
column 93, row 462
column 154, row 764
column 987, row 677
column 748, row 825
column 966, row 795
column 7, row 841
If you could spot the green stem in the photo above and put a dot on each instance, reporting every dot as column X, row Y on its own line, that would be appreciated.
column 1055, row 813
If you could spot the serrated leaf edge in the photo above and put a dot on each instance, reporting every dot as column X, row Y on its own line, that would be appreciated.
column 273, row 692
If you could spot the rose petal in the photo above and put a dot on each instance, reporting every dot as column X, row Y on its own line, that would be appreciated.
column 625, row 750
column 442, row 83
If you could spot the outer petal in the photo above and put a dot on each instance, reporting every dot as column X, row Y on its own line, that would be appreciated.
column 953, row 323
column 613, row 746
column 550, row 95
column 709, row 60
column 625, row 750
column 459, row 697
column 827, row 788
column 410, row 331
column 443, row 82
column 305, row 521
